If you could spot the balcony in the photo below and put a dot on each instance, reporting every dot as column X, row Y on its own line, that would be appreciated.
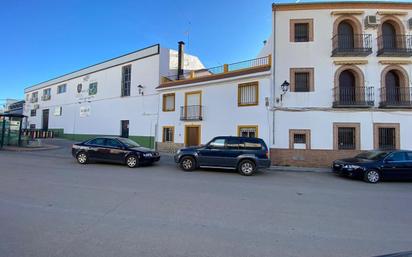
column 396, row 97
column 353, row 97
column 396, row 46
column 224, row 71
column 357, row 45
column 191, row 113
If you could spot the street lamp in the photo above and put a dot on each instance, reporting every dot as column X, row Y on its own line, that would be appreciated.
column 285, row 88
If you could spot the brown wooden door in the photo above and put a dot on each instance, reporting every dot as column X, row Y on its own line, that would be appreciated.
column 347, row 87
column 392, row 88
column 346, row 36
column 192, row 136
column 389, row 36
column 45, row 119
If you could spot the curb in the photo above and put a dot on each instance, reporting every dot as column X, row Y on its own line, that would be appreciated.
column 28, row 149
column 299, row 169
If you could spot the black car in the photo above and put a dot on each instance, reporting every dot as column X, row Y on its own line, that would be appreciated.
column 374, row 166
column 114, row 149
column 241, row 153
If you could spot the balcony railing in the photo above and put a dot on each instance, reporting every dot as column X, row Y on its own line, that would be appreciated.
column 395, row 97
column 226, row 68
column 356, row 97
column 352, row 45
column 191, row 113
column 397, row 46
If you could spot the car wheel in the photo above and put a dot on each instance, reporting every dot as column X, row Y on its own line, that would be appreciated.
column 372, row 176
column 247, row 168
column 187, row 163
column 132, row 161
column 82, row 158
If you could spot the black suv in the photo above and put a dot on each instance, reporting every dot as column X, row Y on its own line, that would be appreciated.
column 241, row 153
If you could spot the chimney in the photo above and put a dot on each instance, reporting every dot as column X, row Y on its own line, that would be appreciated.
column 181, row 59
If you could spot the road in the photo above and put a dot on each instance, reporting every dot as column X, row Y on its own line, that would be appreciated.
column 52, row 206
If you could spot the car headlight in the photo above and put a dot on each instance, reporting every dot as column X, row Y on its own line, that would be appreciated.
column 178, row 151
column 352, row 167
column 147, row 155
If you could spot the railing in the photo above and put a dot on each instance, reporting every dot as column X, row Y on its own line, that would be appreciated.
column 396, row 97
column 39, row 133
column 226, row 68
column 353, row 97
column 191, row 113
column 352, row 45
column 398, row 45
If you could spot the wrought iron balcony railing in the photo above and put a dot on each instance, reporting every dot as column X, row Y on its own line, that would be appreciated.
column 191, row 113
column 356, row 97
column 395, row 46
column 395, row 97
column 352, row 45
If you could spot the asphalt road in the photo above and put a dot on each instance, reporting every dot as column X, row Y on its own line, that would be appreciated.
column 52, row 206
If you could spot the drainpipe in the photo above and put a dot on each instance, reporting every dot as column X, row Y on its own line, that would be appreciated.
column 274, row 74
column 180, row 59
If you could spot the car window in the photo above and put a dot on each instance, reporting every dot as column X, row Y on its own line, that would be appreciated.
column 251, row 144
column 113, row 143
column 96, row 141
column 397, row 157
column 218, row 143
column 409, row 156
column 232, row 143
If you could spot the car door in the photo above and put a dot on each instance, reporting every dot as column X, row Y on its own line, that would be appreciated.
column 408, row 165
column 114, row 150
column 94, row 148
column 395, row 165
column 212, row 154
column 231, row 152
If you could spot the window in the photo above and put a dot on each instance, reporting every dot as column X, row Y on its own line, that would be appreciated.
column 299, row 139
column 97, row 141
column 168, row 134
column 397, row 157
column 301, row 30
column 169, row 102
column 252, row 144
column 248, row 131
column 218, row 143
column 248, row 94
column 33, row 113
column 301, row 79
column 61, row 89
column 32, row 126
column 346, row 136
column 126, row 80
column 93, row 88
column 232, row 143
column 27, row 98
column 58, row 111
column 34, row 97
column 113, row 143
column 409, row 156
column 386, row 136
column 46, row 94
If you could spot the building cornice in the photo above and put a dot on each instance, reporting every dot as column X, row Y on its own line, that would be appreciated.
column 341, row 5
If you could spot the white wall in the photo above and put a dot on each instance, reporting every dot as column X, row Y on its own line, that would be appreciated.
column 221, row 114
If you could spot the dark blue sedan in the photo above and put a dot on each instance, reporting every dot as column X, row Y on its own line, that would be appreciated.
column 374, row 166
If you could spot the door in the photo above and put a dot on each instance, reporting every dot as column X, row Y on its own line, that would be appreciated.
column 392, row 85
column 389, row 36
column 213, row 154
column 113, row 151
column 45, row 119
column 193, row 105
column 125, row 128
column 192, row 135
column 347, row 87
column 346, row 36
column 96, row 149
column 395, row 166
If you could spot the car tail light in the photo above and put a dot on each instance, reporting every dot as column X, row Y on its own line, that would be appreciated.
column 267, row 154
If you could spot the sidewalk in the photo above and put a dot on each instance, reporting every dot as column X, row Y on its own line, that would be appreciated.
column 28, row 149
column 299, row 169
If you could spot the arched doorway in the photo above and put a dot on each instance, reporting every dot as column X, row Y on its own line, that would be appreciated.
column 346, row 36
column 347, row 87
column 393, row 87
column 395, row 90
column 389, row 36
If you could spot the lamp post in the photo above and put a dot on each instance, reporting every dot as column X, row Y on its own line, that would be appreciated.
column 285, row 87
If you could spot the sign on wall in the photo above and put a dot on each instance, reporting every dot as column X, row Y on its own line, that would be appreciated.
column 58, row 111
column 84, row 111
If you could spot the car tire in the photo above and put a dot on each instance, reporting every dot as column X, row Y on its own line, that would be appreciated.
column 372, row 176
column 132, row 161
column 247, row 168
column 82, row 158
column 187, row 163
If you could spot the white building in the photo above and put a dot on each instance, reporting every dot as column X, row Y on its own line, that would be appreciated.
column 115, row 97
column 349, row 66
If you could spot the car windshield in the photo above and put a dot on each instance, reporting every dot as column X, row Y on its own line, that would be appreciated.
column 129, row 142
column 372, row 155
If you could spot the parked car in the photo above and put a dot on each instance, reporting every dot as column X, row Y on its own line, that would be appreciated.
column 241, row 153
column 115, row 150
column 374, row 166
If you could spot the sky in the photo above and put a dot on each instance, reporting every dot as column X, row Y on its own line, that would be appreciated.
column 43, row 39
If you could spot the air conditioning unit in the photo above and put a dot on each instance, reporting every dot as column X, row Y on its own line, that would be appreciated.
column 371, row 21
column 36, row 106
column 410, row 23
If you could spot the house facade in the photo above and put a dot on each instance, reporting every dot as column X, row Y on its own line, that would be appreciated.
column 349, row 67
column 116, row 97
